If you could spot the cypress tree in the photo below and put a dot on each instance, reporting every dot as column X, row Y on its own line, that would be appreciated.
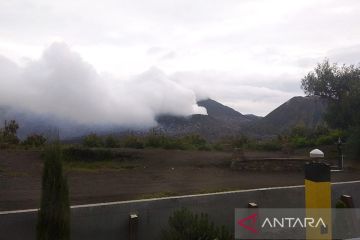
column 54, row 214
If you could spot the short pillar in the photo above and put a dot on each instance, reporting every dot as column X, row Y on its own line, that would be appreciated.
column 349, row 203
column 318, row 198
column 133, row 225
column 252, row 205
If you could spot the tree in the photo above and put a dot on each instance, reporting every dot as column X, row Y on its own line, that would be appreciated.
column 34, row 140
column 341, row 86
column 111, row 142
column 54, row 214
column 8, row 133
column 93, row 140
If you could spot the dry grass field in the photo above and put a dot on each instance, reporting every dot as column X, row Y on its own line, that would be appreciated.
column 149, row 173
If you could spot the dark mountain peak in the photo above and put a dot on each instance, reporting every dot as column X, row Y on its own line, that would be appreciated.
column 306, row 111
column 220, row 111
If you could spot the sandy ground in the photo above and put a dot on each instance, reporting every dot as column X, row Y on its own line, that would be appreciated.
column 158, row 173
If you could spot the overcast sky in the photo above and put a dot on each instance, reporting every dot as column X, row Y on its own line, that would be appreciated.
column 248, row 54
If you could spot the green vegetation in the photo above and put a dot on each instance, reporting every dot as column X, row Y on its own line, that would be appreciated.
column 74, row 153
column 98, row 166
column 54, row 214
column 151, row 140
column 8, row 134
column 185, row 225
column 341, row 86
column 34, row 140
column 93, row 140
column 95, row 159
column 296, row 138
column 9, row 138
column 84, row 154
column 111, row 142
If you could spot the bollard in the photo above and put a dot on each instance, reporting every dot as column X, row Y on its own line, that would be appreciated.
column 133, row 224
column 318, row 198
column 349, row 203
column 252, row 205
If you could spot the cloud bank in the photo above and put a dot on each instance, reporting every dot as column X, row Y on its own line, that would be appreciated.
column 61, row 84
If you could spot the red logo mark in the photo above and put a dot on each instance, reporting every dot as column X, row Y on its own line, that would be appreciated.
column 250, row 227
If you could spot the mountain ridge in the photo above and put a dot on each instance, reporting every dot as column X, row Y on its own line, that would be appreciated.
column 221, row 121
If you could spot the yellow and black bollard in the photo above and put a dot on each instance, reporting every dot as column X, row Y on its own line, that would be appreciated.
column 318, row 199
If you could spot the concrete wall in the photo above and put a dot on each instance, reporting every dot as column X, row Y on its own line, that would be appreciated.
column 110, row 220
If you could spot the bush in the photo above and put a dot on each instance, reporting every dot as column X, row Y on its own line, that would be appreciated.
column 324, row 140
column 132, row 141
column 218, row 147
column 173, row 143
column 154, row 140
column 269, row 145
column 353, row 146
column 93, row 140
column 34, row 140
column 301, row 142
column 8, row 134
column 184, row 225
column 111, row 142
column 87, row 154
column 54, row 214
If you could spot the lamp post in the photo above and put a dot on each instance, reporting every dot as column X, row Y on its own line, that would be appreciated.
column 341, row 157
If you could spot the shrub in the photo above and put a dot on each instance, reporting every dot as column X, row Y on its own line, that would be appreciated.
column 87, row 154
column 8, row 133
column 154, row 140
column 184, row 225
column 353, row 146
column 269, row 145
column 324, row 140
column 111, row 142
column 299, row 131
column 34, row 140
column 173, row 143
column 301, row 142
column 132, row 141
column 239, row 142
column 93, row 140
column 54, row 214
column 218, row 147
column 194, row 140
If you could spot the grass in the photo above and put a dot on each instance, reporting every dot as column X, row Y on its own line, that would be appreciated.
column 15, row 174
column 99, row 166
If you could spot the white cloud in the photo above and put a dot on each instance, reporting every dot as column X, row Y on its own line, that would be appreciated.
column 63, row 85
column 260, row 43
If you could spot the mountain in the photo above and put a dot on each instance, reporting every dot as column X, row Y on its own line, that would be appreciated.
column 224, row 121
column 222, row 112
column 303, row 111
column 221, row 121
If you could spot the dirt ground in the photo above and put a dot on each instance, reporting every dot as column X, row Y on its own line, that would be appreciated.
column 157, row 173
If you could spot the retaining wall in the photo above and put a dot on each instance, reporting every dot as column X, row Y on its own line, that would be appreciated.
column 111, row 220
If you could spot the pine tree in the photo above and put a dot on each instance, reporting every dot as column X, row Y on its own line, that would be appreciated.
column 54, row 215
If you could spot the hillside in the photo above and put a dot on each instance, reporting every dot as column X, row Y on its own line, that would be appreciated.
column 220, row 121
column 304, row 111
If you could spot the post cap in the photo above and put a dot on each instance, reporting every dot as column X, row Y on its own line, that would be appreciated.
column 316, row 153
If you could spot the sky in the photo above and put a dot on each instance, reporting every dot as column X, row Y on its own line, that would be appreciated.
column 132, row 59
